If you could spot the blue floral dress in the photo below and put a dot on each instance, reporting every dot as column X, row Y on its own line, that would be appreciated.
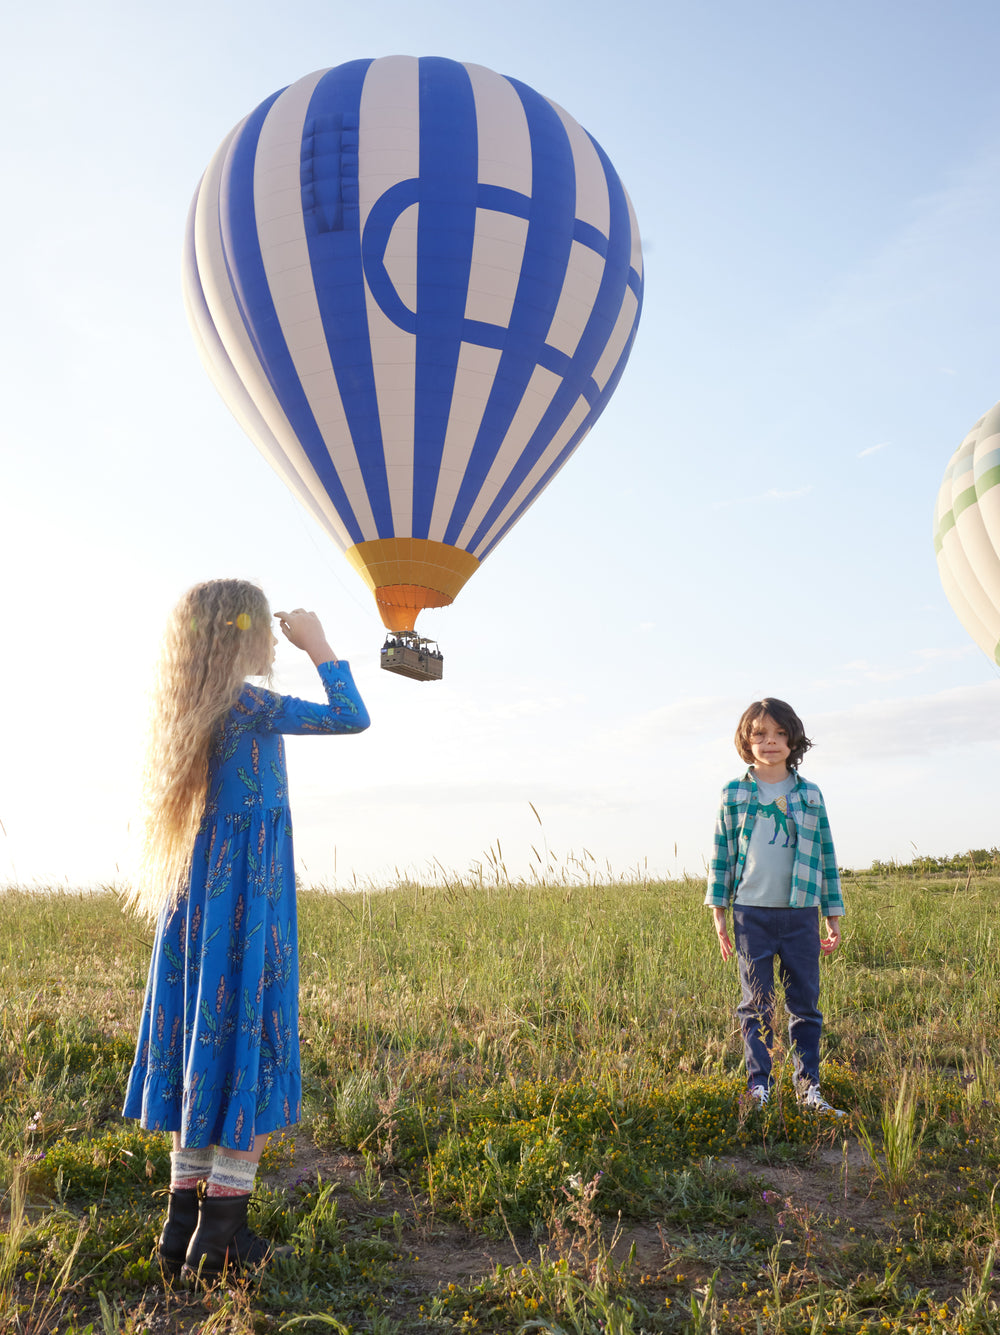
column 218, row 1051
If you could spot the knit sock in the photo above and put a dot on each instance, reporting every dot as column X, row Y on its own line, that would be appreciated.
column 230, row 1176
column 188, row 1167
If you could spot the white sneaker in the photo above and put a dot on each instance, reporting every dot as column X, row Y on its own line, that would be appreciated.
column 760, row 1094
column 810, row 1097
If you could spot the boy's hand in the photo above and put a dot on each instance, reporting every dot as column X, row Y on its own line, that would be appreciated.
column 725, row 945
column 832, row 940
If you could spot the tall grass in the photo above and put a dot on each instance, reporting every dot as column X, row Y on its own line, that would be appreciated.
column 557, row 982
column 488, row 1044
column 901, row 1140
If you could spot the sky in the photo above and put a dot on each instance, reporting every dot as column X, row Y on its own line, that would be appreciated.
column 817, row 188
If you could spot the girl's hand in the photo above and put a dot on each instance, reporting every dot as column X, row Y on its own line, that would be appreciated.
column 303, row 629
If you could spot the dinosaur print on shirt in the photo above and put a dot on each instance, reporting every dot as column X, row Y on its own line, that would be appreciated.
column 777, row 811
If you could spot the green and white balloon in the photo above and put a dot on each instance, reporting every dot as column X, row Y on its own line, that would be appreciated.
column 967, row 532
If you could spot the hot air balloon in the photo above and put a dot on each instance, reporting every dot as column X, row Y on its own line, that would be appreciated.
column 967, row 532
column 416, row 283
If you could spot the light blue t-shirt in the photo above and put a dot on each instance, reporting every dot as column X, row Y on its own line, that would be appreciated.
column 767, row 873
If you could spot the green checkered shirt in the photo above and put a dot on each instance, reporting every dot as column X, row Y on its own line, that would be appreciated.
column 815, row 879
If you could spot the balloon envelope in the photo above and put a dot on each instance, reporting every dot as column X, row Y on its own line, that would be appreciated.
column 967, row 532
column 416, row 283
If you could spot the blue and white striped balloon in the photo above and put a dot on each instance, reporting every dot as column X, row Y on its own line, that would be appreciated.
column 416, row 283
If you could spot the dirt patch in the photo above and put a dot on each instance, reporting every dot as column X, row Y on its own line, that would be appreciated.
column 436, row 1253
column 830, row 1194
column 832, row 1188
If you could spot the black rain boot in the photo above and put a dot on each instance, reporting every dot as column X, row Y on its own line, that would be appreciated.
column 180, row 1224
column 223, row 1239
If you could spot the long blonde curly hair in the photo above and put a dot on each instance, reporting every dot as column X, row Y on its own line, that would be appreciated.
column 217, row 635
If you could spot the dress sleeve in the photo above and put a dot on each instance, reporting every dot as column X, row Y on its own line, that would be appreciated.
column 344, row 711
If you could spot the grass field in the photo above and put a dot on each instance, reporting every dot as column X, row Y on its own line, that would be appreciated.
column 524, row 1112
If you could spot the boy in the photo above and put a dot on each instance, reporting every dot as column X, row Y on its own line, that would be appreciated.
column 774, row 862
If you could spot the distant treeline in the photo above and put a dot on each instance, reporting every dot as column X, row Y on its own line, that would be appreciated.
column 985, row 861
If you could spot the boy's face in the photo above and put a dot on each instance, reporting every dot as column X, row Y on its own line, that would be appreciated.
column 769, row 743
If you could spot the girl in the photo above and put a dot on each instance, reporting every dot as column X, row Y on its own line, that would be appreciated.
column 774, row 862
column 217, row 1058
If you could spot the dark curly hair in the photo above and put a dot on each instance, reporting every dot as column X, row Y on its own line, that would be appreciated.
column 785, row 717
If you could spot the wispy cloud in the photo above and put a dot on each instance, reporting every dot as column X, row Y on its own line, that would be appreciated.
column 855, row 671
column 949, row 655
column 923, row 262
column 918, row 725
column 771, row 495
column 692, row 719
column 921, row 726
column 873, row 449
column 860, row 670
column 544, row 794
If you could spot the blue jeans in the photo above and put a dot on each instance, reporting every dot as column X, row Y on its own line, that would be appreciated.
column 793, row 936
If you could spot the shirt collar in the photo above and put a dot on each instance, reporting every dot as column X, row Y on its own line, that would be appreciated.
column 751, row 778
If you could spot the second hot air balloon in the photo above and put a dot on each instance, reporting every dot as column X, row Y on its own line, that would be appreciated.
column 416, row 283
column 967, row 532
